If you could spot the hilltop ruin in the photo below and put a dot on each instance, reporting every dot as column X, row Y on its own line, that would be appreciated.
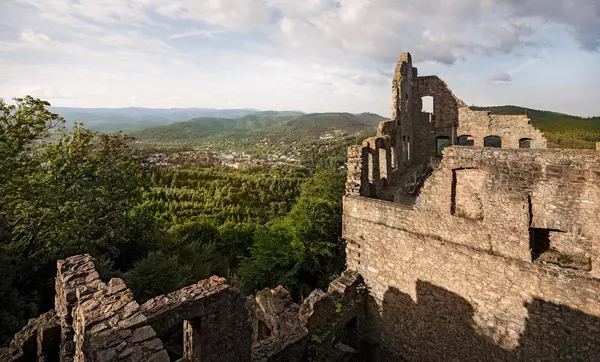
column 467, row 240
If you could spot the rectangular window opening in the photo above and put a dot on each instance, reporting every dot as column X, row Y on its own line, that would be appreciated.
column 539, row 242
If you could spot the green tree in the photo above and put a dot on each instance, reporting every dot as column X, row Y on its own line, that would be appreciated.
column 304, row 249
column 157, row 274
column 63, row 193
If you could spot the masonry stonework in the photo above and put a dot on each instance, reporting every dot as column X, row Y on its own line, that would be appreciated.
column 484, row 245
column 95, row 321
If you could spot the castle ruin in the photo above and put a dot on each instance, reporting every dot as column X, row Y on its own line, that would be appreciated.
column 475, row 241
column 467, row 240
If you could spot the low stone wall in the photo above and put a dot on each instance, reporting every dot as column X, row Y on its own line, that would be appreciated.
column 38, row 340
column 213, row 316
column 326, row 327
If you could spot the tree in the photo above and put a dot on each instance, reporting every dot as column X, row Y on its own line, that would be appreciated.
column 304, row 249
column 63, row 193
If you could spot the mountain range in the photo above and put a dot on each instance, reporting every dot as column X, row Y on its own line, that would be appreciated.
column 272, row 125
column 131, row 119
column 193, row 125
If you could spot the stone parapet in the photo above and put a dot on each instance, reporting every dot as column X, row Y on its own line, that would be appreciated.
column 110, row 327
column 326, row 327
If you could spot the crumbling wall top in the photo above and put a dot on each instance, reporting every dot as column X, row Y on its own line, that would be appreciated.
column 109, row 326
column 166, row 311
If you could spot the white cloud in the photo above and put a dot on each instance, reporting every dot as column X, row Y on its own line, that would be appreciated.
column 30, row 36
column 261, row 53
column 200, row 33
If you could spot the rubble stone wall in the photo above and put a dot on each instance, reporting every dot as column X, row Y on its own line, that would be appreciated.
column 510, row 128
column 327, row 327
column 413, row 136
column 214, row 316
column 446, row 285
column 109, row 326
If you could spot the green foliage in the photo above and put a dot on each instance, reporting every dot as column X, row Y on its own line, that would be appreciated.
column 211, row 216
column 157, row 274
column 302, row 249
column 62, row 193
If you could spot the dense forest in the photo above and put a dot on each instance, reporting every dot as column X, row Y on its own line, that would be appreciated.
column 69, row 191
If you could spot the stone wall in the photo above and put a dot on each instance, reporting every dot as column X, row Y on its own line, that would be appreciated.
column 72, row 273
column 327, row 327
column 414, row 136
column 510, row 129
column 213, row 316
column 109, row 326
column 455, row 276
column 100, row 322
column 38, row 340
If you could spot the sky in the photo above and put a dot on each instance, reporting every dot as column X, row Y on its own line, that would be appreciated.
column 309, row 55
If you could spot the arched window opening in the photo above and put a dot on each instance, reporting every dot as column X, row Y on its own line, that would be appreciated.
column 441, row 142
column 492, row 141
column 466, row 140
column 525, row 143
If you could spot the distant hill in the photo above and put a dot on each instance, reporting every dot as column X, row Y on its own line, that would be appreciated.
column 131, row 119
column 203, row 127
column 561, row 130
column 272, row 125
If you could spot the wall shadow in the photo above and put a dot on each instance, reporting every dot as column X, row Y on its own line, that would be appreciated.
column 440, row 327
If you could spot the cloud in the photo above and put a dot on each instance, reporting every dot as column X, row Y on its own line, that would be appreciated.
column 440, row 30
column 582, row 17
column 316, row 53
column 500, row 78
column 30, row 36
column 200, row 33
column 44, row 92
column 230, row 14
